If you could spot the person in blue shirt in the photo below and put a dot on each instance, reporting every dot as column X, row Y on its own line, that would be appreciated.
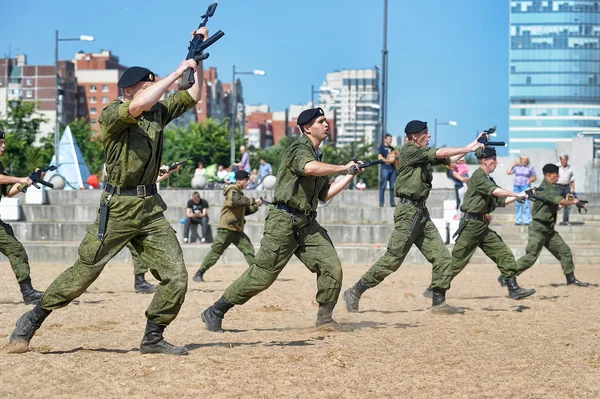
column 265, row 169
column 388, row 169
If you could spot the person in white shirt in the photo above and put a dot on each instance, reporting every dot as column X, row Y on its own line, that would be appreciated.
column 565, row 184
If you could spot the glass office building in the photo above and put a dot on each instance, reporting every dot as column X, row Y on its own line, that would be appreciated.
column 554, row 72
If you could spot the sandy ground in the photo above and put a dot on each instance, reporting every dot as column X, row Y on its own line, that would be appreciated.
column 541, row 347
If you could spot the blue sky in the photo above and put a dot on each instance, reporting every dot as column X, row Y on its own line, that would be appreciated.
column 447, row 58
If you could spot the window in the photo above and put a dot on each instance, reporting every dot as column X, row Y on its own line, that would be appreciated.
column 93, row 100
column 28, row 94
column 93, row 122
column 104, row 100
column 92, row 88
column 92, row 110
column 81, row 100
column 105, row 88
column 28, row 82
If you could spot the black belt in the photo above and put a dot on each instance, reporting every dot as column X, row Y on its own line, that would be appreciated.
column 139, row 191
column 475, row 216
column 294, row 211
column 406, row 200
column 563, row 185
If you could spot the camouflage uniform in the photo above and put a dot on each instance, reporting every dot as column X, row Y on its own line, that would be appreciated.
column 139, row 267
column 476, row 232
column 542, row 233
column 412, row 224
column 9, row 245
column 231, row 227
column 133, row 148
column 293, row 233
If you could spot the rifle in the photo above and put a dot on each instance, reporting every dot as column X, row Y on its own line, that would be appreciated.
column 355, row 169
column 198, row 45
column 36, row 177
column 531, row 195
column 173, row 166
column 485, row 139
column 580, row 205
column 264, row 201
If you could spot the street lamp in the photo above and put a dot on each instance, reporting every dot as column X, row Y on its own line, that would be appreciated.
column 451, row 123
column 233, row 103
column 82, row 38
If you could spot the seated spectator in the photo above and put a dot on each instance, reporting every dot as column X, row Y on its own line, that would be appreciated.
column 360, row 186
column 222, row 173
column 200, row 170
column 196, row 213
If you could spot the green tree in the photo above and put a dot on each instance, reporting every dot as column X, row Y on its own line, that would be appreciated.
column 207, row 142
column 21, row 126
column 91, row 149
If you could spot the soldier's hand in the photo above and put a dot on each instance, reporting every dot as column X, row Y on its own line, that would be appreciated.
column 352, row 168
column 202, row 31
column 258, row 202
column 476, row 146
column 186, row 65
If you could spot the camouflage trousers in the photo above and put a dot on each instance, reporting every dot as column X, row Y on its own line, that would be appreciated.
column 477, row 234
column 541, row 236
column 14, row 251
column 139, row 267
column 412, row 225
column 141, row 222
column 286, row 235
column 224, row 239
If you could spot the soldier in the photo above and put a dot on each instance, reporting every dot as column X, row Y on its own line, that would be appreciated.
column 9, row 245
column 231, row 224
column 412, row 222
column 482, row 197
column 291, row 227
column 541, row 230
column 131, row 210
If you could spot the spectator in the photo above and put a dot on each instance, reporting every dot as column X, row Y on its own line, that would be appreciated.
column 245, row 162
column 459, row 186
column 388, row 169
column 93, row 182
column 462, row 168
column 222, row 173
column 524, row 176
column 200, row 170
column 253, row 179
column 360, row 186
column 265, row 169
column 565, row 184
column 196, row 213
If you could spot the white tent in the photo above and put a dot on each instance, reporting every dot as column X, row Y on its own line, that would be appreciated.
column 72, row 165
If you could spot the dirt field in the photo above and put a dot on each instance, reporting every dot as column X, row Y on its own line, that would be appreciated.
column 544, row 346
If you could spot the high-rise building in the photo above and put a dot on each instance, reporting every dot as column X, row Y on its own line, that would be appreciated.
column 554, row 68
column 353, row 96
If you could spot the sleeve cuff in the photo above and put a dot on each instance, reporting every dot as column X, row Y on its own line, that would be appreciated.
column 124, row 113
column 187, row 98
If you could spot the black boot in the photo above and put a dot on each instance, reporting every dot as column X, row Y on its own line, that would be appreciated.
column 154, row 342
column 325, row 316
column 213, row 316
column 352, row 296
column 142, row 286
column 516, row 292
column 198, row 276
column 439, row 305
column 501, row 281
column 571, row 280
column 428, row 293
column 26, row 327
column 30, row 295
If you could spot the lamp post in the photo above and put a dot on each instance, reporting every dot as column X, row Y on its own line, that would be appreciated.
column 384, row 71
column 82, row 38
column 451, row 123
column 233, row 103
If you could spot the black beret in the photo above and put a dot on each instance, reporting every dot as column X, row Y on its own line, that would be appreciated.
column 550, row 168
column 415, row 127
column 308, row 115
column 134, row 75
column 2, row 137
column 241, row 174
column 486, row 152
